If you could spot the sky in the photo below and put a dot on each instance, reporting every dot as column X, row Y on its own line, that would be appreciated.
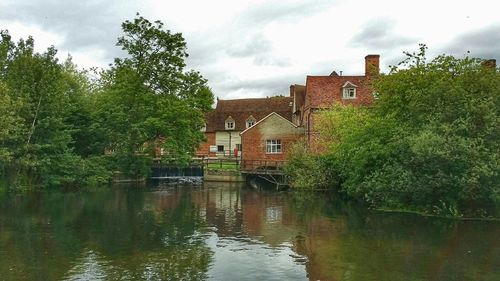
column 258, row 48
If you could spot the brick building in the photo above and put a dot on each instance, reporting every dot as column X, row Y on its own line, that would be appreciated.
column 281, row 120
column 321, row 92
column 231, row 117
column 269, row 139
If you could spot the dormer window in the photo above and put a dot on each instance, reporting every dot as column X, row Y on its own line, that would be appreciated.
column 230, row 123
column 349, row 90
column 250, row 121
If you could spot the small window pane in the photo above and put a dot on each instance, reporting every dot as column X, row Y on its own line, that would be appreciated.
column 349, row 93
column 273, row 146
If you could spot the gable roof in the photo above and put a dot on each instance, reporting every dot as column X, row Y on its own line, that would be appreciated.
column 263, row 119
column 349, row 84
column 241, row 109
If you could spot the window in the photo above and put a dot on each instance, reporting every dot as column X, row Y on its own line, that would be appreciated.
column 250, row 121
column 220, row 148
column 349, row 90
column 238, row 146
column 273, row 146
column 349, row 93
column 230, row 123
column 204, row 128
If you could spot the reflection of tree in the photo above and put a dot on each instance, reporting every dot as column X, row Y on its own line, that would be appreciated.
column 135, row 235
column 44, row 235
column 342, row 243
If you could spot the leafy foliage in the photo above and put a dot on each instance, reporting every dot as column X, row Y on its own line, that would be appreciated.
column 147, row 102
column 303, row 169
column 430, row 142
column 56, row 123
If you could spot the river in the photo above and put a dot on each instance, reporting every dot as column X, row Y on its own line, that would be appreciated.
column 231, row 232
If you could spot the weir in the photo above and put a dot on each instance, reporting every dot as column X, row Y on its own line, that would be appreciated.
column 176, row 172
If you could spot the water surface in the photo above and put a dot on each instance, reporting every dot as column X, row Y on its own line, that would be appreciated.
column 228, row 232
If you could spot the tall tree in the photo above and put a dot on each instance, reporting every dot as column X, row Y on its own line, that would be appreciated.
column 148, row 101
column 44, row 114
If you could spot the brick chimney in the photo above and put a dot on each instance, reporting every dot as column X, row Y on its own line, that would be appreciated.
column 489, row 63
column 372, row 65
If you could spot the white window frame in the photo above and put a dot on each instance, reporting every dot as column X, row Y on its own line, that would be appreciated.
column 230, row 124
column 250, row 123
column 274, row 146
column 349, row 93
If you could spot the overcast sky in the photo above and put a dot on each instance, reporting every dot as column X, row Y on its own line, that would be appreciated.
column 258, row 48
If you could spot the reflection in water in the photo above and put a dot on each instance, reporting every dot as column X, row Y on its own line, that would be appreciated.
column 225, row 232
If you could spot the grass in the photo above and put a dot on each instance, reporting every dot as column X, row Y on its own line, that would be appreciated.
column 226, row 166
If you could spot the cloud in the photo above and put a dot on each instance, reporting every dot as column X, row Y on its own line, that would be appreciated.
column 84, row 25
column 277, row 85
column 254, row 45
column 378, row 34
column 482, row 43
column 275, row 11
column 260, row 49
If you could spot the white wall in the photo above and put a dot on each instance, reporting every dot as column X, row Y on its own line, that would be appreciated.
column 222, row 138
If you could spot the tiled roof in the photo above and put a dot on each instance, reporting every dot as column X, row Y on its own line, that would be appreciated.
column 241, row 109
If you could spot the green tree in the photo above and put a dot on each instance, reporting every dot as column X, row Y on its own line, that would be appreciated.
column 429, row 143
column 303, row 169
column 43, row 110
column 147, row 101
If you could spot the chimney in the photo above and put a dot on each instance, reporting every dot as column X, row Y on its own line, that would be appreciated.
column 372, row 66
column 489, row 63
column 292, row 90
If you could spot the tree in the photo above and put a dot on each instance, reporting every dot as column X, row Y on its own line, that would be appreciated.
column 430, row 142
column 43, row 109
column 146, row 100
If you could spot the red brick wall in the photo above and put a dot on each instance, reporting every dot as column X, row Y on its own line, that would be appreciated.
column 204, row 147
column 254, row 140
column 324, row 91
column 372, row 65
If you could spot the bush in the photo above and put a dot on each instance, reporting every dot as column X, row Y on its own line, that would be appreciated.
column 430, row 143
column 303, row 169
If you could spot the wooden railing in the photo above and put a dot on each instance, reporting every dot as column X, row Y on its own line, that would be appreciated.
column 261, row 165
column 222, row 163
column 222, row 154
column 243, row 165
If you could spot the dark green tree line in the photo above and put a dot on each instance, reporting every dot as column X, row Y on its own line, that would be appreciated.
column 58, row 127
